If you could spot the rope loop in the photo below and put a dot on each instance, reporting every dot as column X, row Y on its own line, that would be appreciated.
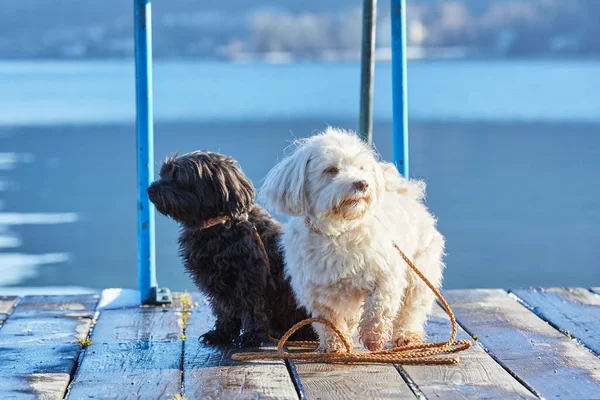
column 422, row 353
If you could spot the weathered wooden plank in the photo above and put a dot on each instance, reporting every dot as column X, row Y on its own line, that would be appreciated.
column 360, row 381
column 209, row 372
column 135, row 353
column 155, row 324
column 573, row 311
column 57, row 306
column 477, row 376
column 38, row 349
column 33, row 386
column 333, row 381
column 7, row 303
column 540, row 356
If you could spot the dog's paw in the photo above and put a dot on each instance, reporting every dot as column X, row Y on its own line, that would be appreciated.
column 374, row 345
column 331, row 346
column 408, row 338
column 213, row 338
column 249, row 339
column 373, row 340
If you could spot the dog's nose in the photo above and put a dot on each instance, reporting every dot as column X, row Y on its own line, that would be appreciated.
column 152, row 191
column 361, row 185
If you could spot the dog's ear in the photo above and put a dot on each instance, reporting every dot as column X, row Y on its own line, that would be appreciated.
column 238, row 192
column 283, row 190
column 392, row 179
column 395, row 182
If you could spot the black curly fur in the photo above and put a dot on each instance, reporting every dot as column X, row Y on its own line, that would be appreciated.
column 225, row 260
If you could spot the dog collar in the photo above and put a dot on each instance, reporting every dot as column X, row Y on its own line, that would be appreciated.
column 209, row 223
column 313, row 228
column 316, row 230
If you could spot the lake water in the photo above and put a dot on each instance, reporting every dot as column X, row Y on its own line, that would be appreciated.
column 510, row 152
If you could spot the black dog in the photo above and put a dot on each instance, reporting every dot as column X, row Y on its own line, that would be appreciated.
column 212, row 199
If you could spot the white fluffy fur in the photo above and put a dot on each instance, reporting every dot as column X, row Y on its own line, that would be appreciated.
column 351, row 274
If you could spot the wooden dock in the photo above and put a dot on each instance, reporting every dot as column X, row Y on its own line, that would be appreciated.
column 528, row 344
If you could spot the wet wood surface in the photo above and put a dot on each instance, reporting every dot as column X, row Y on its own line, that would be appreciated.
column 543, row 358
column 477, row 376
column 38, row 344
column 521, row 349
column 209, row 372
column 34, row 386
column 334, row 381
column 573, row 311
column 135, row 353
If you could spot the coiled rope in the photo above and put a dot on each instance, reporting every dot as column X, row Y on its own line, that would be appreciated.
column 422, row 353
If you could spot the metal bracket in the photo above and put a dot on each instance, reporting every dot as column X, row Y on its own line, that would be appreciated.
column 160, row 296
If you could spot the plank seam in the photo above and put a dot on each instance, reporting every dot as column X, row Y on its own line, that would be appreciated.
column 132, row 346
column 82, row 353
column 544, row 318
column 182, row 365
column 496, row 359
column 411, row 384
column 291, row 367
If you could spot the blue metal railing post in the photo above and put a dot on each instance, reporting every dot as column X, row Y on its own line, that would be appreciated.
column 145, row 150
column 399, row 87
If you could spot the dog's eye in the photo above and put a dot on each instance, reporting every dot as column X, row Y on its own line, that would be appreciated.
column 333, row 171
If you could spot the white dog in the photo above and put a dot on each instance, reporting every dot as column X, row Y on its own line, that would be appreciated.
column 338, row 248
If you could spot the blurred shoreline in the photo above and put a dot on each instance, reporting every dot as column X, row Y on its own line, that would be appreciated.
column 283, row 30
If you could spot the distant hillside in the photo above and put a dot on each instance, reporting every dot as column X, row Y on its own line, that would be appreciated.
column 314, row 29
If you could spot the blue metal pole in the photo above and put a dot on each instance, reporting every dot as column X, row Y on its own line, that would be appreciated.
column 399, row 87
column 145, row 150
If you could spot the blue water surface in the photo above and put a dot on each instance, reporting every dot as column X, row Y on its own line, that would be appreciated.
column 103, row 92
column 510, row 151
